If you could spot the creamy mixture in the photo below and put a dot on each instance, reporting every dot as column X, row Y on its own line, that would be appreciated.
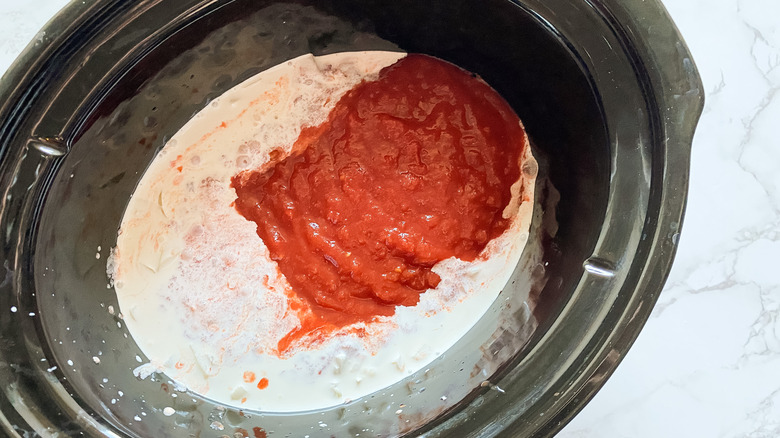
column 207, row 305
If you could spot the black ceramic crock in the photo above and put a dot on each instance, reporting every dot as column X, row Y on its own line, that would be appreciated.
column 607, row 91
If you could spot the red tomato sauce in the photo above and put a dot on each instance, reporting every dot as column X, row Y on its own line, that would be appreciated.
column 408, row 170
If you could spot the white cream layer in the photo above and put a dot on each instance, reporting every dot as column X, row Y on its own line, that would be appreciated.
column 201, row 296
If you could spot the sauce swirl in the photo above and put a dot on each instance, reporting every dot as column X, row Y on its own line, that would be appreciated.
column 408, row 170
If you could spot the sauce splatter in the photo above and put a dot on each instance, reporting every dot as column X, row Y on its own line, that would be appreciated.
column 262, row 384
column 408, row 170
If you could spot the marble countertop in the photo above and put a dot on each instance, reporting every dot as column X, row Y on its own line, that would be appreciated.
column 707, row 364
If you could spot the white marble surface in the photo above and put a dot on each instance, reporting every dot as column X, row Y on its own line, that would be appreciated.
column 708, row 362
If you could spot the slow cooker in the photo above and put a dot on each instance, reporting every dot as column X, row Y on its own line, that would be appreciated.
column 607, row 91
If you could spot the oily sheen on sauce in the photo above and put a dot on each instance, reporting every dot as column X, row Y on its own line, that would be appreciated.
column 408, row 170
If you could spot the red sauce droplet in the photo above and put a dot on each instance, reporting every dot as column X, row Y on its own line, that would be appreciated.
column 408, row 170
column 262, row 384
column 249, row 377
column 259, row 432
